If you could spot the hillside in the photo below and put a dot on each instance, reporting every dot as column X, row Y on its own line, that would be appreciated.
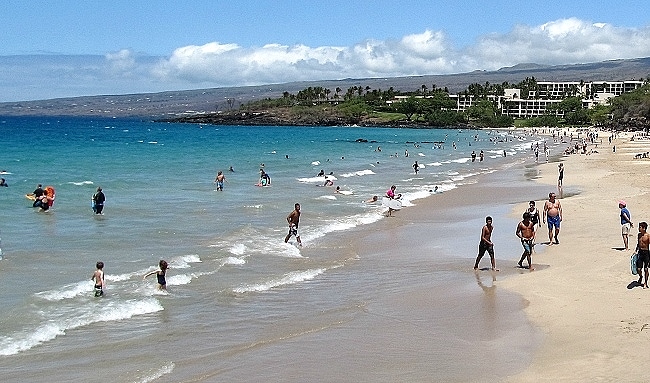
column 175, row 103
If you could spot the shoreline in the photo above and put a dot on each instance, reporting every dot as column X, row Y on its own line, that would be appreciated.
column 436, row 242
column 578, row 297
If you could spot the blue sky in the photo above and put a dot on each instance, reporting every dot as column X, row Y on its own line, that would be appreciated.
column 69, row 48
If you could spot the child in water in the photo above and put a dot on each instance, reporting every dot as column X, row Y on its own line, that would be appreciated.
column 98, row 278
column 160, row 274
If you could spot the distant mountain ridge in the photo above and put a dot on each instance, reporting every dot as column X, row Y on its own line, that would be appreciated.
column 173, row 103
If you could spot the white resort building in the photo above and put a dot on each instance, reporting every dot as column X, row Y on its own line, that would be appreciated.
column 548, row 93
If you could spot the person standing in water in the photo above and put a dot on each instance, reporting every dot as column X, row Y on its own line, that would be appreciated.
column 98, row 201
column 293, row 219
column 219, row 180
column 98, row 278
column 160, row 274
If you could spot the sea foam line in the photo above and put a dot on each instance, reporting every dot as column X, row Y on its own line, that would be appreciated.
column 287, row 279
column 52, row 328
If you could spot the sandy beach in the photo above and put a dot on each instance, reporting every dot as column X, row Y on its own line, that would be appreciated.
column 595, row 320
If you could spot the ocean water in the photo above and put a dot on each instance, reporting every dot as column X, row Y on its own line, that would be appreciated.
column 237, row 294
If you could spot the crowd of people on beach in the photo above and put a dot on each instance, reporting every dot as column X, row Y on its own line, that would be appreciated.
column 551, row 215
column 526, row 231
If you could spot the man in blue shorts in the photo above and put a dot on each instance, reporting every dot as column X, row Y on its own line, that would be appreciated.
column 552, row 215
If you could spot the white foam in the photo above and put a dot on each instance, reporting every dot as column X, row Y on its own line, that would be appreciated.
column 287, row 279
column 180, row 279
column 81, row 183
column 340, row 225
column 358, row 173
column 183, row 261
column 68, row 291
column 238, row 249
column 233, row 261
column 316, row 163
column 317, row 179
column 153, row 375
column 57, row 323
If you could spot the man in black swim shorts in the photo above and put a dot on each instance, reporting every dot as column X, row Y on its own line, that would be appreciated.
column 642, row 247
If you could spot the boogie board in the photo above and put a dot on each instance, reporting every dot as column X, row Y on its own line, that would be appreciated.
column 633, row 260
column 394, row 204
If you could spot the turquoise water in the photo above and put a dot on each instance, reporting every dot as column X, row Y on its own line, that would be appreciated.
column 231, row 273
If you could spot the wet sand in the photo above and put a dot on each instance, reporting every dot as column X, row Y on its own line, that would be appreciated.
column 412, row 308
column 579, row 316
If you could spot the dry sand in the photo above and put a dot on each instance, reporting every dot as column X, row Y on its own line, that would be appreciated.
column 595, row 320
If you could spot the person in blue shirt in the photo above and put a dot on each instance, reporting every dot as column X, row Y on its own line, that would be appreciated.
column 626, row 222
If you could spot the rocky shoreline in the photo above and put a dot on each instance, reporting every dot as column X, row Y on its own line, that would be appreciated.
column 272, row 118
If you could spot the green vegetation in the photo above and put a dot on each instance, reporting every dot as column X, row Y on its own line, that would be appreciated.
column 433, row 107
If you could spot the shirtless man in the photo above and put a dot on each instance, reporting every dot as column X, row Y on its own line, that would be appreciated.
column 552, row 215
column 293, row 218
column 219, row 180
column 486, row 244
column 526, row 232
column 644, row 253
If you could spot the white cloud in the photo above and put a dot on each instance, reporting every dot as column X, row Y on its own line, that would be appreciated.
column 122, row 61
column 563, row 41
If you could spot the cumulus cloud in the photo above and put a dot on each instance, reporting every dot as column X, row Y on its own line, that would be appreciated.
column 217, row 64
column 564, row 41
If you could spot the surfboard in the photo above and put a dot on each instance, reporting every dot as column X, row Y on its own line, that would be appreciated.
column 30, row 197
column 394, row 204
column 345, row 192
column 633, row 260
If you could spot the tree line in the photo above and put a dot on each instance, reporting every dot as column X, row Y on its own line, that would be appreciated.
column 433, row 106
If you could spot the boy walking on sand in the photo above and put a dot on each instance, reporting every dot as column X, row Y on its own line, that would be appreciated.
column 98, row 278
